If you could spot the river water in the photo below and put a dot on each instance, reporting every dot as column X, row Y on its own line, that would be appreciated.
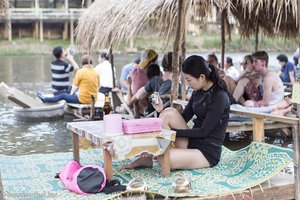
column 31, row 74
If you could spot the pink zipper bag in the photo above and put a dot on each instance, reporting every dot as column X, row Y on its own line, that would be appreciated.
column 83, row 180
column 144, row 125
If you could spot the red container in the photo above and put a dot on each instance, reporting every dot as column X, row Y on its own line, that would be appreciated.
column 144, row 125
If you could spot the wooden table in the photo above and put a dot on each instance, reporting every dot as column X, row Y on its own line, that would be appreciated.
column 122, row 146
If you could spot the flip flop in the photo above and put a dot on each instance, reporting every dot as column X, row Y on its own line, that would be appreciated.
column 181, row 184
column 137, row 185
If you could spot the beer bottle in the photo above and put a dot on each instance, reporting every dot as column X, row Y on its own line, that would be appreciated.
column 107, row 107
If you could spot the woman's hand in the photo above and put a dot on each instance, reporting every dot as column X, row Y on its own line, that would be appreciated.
column 156, row 102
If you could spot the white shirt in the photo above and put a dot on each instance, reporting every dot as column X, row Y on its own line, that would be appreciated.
column 105, row 73
column 232, row 72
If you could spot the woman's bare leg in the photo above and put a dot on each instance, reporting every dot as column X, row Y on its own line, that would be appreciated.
column 186, row 159
column 172, row 119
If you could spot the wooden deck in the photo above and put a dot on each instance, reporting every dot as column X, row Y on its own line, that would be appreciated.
column 45, row 14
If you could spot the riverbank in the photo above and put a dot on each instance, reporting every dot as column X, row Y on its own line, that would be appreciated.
column 204, row 42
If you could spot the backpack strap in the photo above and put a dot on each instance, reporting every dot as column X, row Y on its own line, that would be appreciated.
column 56, row 175
column 113, row 186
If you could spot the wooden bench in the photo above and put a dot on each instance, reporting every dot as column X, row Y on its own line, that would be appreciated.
column 244, row 125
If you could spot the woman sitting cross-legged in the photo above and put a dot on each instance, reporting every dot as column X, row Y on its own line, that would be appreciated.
column 86, row 80
column 200, row 146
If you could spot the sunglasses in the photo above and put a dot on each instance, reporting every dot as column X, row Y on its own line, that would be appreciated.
column 244, row 63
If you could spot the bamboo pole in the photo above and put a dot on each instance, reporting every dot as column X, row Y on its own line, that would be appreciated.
column 256, row 37
column 182, row 7
column 72, row 28
column 41, row 28
column 222, row 38
column 182, row 58
column 111, row 60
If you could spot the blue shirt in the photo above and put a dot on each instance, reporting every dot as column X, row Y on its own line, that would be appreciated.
column 286, row 69
column 125, row 72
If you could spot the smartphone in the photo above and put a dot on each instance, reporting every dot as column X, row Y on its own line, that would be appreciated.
column 72, row 50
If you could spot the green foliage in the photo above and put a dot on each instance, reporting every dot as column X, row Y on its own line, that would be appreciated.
column 206, row 41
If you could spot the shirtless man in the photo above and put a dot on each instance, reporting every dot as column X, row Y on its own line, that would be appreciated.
column 273, row 91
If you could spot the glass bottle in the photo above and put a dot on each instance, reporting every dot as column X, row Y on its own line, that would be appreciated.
column 107, row 107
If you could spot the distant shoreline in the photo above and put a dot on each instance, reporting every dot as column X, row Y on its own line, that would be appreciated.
column 200, row 43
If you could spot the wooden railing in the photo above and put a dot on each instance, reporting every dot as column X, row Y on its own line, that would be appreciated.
column 49, row 14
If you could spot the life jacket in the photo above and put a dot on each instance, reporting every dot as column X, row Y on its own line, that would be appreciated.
column 89, row 179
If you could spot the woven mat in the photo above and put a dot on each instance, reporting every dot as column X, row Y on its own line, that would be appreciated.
column 32, row 176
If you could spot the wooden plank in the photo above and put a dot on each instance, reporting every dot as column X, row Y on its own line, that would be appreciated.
column 75, row 144
column 165, row 166
column 244, row 127
column 258, row 129
column 107, row 164
column 283, row 119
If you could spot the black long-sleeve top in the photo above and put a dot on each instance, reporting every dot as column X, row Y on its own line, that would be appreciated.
column 211, row 108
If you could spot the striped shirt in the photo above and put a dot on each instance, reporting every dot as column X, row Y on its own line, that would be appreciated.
column 60, row 75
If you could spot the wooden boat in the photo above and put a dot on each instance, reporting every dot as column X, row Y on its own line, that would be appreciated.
column 42, row 113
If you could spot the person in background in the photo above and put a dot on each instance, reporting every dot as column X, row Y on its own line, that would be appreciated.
column 272, row 86
column 86, row 81
column 288, row 71
column 230, row 70
column 296, row 57
column 249, row 83
column 213, row 60
column 60, row 70
column 138, row 78
column 230, row 82
column 105, row 72
column 200, row 146
column 125, row 72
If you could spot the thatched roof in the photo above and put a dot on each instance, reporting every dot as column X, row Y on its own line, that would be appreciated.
column 4, row 5
column 107, row 22
column 278, row 17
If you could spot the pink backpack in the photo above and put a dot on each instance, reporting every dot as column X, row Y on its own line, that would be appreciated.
column 83, row 180
column 88, row 179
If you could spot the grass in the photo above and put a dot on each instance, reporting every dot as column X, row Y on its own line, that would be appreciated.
column 201, row 42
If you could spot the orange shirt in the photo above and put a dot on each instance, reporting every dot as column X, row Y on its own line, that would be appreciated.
column 87, row 80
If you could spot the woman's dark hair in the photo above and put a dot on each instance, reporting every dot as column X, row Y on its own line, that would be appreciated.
column 196, row 65
column 229, row 61
column 166, row 62
column 105, row 56
column 152, row 70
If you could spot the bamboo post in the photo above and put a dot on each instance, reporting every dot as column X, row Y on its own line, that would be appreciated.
column 222, row 38
column 256, row 37
column 111, row 60
column 72, row 27
column 41, row 28
column 296, row 139
column 182, row 58
column 296, row 134
column 66, row 4
column 182, row 7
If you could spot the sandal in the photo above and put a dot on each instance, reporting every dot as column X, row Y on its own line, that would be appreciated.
column 137, row 184
column 181, row 184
